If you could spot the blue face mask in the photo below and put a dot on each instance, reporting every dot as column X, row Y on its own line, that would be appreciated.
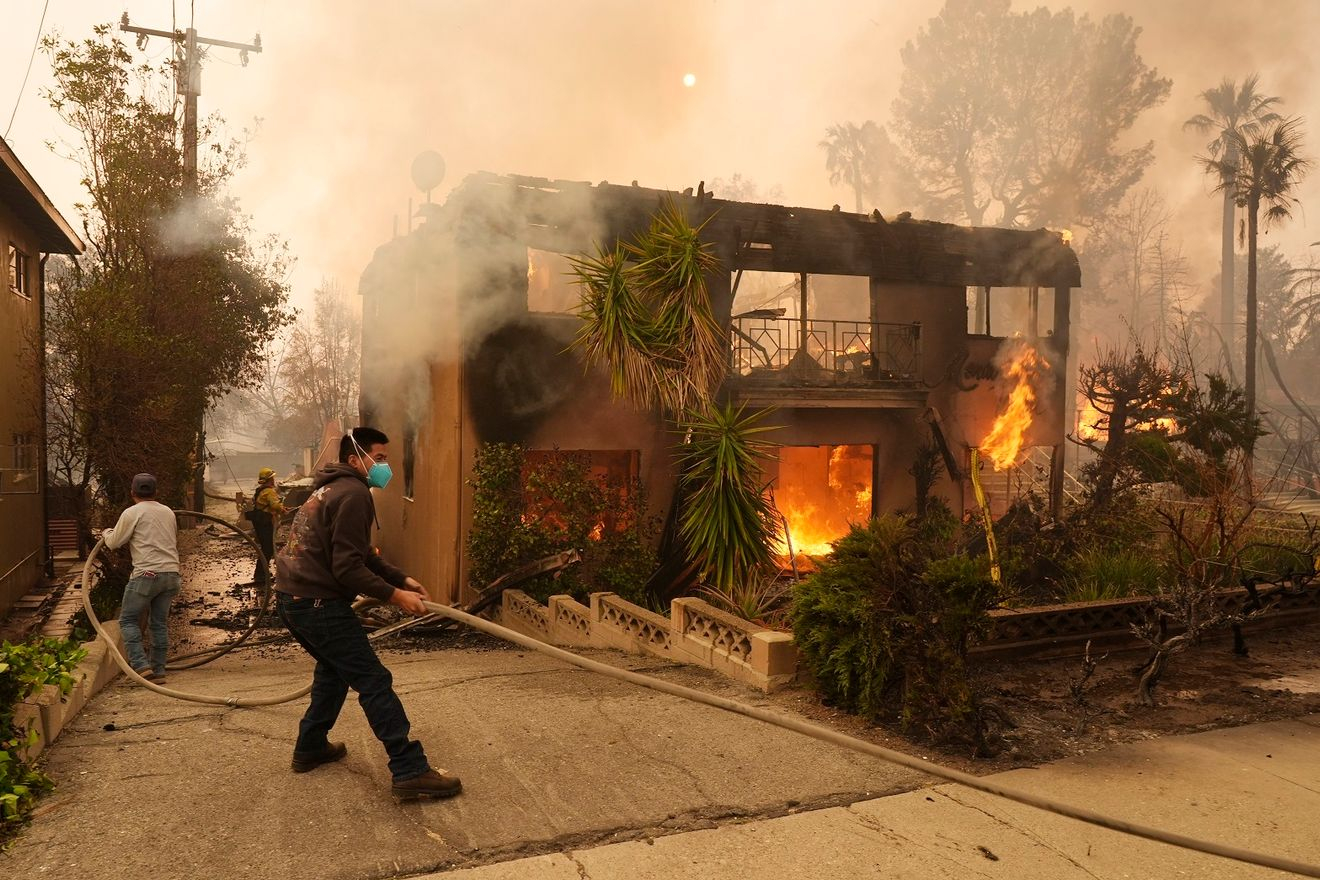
column 378, row 475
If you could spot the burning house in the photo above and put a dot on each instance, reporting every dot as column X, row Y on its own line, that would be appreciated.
column 877, row 340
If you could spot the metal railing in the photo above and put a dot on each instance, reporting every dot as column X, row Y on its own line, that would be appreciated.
column 816, row 352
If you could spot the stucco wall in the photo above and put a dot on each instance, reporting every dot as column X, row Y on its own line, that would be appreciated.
column 22, row 553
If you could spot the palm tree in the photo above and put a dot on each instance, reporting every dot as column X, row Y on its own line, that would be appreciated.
column 647, row 320
column 1234, row 114
column 1264, row 171
column 850, row 156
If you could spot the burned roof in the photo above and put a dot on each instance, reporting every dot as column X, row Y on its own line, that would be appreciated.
column 571, row 216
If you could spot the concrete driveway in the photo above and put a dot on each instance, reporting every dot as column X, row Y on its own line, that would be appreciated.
column 552, row 758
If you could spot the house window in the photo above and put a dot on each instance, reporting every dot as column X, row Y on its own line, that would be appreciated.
column 550, row 283
column 25, row 452
column 20, row 476
column 19, row 272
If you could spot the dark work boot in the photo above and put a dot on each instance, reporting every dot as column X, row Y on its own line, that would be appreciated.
column 432, row 783
column 304, row 761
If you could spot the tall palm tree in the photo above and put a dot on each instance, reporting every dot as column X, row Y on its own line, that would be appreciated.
column 647, row 320
column 1233, row 114
column 1264, row 172
column 850, row 156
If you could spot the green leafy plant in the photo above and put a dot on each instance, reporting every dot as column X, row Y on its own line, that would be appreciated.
column 647, row 320
column 111, row 573
column 25, row 669
column 526, row 509
column 1098, row 573
column 726, row 518
column 647, row 316
column 884, row 626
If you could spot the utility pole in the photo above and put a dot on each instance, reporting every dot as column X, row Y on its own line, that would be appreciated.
column 188, row 82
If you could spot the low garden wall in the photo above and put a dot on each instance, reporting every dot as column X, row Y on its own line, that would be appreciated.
column 1063, row 630
column 694, row 632
column 698, row 633
column 48, row 712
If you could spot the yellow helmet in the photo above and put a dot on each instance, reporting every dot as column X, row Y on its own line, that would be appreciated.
column 265, row 474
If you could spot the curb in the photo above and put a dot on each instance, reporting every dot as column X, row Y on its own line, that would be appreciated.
column 49, row 713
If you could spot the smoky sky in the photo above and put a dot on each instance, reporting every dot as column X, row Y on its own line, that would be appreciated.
column 347, row 93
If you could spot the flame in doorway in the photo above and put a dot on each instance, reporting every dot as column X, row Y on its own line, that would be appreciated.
column 1003, row 445
column 821, row 492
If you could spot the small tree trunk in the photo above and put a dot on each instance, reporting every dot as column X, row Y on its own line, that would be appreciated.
column 1227, row 271
column 1150, row 676
column 1113, row 454
column 1253, row 211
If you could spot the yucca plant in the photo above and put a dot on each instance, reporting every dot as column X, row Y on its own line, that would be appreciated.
column 726, row 519
column 763, row 597
column 647, row 318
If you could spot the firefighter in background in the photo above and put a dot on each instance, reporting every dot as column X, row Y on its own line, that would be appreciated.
column 266, row 512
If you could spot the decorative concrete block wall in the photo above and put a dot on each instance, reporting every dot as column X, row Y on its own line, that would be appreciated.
column 695, row 632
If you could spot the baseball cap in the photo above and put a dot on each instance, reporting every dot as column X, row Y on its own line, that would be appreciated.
column 144, row 485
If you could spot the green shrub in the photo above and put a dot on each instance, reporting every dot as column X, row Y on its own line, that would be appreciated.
column 25, row 669
column 1100, row 573
column 884, row 626
column 523, row 512
column 1271, row 563
column 111, row 573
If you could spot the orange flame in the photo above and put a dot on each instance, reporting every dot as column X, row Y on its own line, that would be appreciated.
column 1090, row 421
column 1003, row 445
column 1094, row 425
column 819, row 511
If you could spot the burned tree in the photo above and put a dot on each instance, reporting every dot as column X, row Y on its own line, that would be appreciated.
column 1129, row 393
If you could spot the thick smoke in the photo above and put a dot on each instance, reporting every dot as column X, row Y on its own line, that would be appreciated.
column 348, row 93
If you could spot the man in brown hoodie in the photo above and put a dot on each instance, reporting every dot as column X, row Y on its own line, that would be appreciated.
column 326, row 564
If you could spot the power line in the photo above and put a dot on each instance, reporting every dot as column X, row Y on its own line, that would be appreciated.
column 36, row 41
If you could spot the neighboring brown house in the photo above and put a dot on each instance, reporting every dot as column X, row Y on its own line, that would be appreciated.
column 30, row 229
column 870, row 335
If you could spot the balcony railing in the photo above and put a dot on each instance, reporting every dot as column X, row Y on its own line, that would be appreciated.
column 813, row 352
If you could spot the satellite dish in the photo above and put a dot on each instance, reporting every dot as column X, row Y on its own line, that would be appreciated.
column 428, row 170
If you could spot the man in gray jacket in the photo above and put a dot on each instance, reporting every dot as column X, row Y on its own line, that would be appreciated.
column 326, row 564
column 152, row 535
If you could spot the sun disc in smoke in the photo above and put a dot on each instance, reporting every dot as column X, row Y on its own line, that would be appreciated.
column 689, row 79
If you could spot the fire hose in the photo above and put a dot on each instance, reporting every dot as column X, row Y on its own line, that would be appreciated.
column 796, row 725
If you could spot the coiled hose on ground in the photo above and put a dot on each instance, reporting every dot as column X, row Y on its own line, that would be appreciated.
column 796, row 725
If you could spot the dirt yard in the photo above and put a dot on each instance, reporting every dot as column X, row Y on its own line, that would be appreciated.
column 1205, row 688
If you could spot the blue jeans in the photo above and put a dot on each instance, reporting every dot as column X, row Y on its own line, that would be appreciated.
column 334, row 636
column 142, row 593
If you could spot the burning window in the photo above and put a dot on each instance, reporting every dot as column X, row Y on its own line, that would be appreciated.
column 550, row 286
column 821, row 491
